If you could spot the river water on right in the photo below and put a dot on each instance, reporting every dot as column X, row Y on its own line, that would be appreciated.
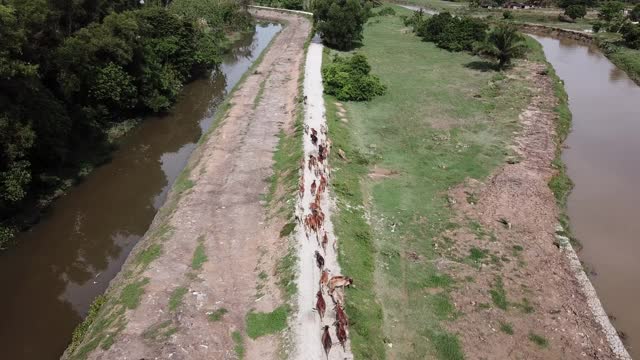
column 603, row 159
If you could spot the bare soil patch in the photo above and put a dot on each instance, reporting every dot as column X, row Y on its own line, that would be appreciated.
column 516, row 293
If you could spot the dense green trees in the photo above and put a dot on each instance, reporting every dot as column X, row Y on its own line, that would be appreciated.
column 71, row 69
column 340, row 22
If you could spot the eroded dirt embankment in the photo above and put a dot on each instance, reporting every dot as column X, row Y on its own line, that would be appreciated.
column 203, row 253
column 535, row 308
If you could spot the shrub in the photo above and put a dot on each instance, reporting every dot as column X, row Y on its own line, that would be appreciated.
column 349, row 79
column 339, row 22
column 507, row 15
column 576, row 11
column 596, row 27
column 611, row 11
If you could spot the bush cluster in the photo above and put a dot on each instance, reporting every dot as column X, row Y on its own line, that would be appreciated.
column 349, row 79
column 285, row 4
column 451, row 32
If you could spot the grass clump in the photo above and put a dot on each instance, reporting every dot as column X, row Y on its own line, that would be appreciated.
column 217, row 315
column 176, row 297
column 130, row 295
column 538, row 340
column 447, row 347
column 499, row 294
column 239, row 344
column 81, row 330
column 506, row 328
column 260, row 324
column 148, row 255
column 199, row 257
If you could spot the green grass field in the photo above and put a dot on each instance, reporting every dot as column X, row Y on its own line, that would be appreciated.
column 444, row 118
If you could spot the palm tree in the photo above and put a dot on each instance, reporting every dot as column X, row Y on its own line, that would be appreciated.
column 503, row 43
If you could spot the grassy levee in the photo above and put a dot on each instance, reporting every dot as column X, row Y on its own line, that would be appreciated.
column 445, row 117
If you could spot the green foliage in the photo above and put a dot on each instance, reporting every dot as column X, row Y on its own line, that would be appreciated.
column 385, row 11
column 199, row 257
column 260, row 324
column 451, row 32
column 349, row 79
column 507, row 15
column 631, row 35
column 506, row 328
column 611, row 10
column 176, row 297
column 81, row 330
column 239, row 344
column 503, row 43
column 634, row 14
column 538, row 340
column 130, row 295
column 213, row 15
column 339, row 22
column 576, row 11
column 285, row 4
column 499, row 294
column 567, row 3
column 217, row 315
column 72, row 70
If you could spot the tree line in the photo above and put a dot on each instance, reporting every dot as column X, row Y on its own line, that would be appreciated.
column 72, row 69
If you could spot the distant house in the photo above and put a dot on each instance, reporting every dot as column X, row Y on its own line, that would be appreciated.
column 517, row 5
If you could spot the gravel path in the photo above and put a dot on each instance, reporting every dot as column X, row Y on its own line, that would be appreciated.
column 308, row 325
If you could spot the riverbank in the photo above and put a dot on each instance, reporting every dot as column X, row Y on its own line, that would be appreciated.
column 444, row 204
column 201, row 283
column 544, row 21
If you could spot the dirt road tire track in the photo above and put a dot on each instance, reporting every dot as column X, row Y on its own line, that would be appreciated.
column 222, row 209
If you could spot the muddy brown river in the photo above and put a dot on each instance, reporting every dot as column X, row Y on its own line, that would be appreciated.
column 58, row 267
column 603, row 160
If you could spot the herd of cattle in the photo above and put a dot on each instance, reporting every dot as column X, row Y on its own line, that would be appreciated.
column 314, row 227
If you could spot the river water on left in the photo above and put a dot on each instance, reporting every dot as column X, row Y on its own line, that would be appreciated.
column 59, row 266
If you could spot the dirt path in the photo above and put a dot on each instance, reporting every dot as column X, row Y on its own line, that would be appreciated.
column 519, row 296
column 308, row 324
column 216, row 210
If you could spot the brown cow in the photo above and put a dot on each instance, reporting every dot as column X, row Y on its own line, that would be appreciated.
column 341, row 317
column 324, row 278
column 339, row 281
column 325, row 241
column 319, row 260
column 321, row 306
column 313, row 187
column 326, row 340
column 341, row 334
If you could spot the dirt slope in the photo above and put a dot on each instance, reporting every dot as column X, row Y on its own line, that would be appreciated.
column 520, row 298
column 217, row 206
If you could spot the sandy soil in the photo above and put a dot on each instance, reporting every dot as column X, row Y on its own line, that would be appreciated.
column 521, row 252
column 307, row 323
column 225, row 212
